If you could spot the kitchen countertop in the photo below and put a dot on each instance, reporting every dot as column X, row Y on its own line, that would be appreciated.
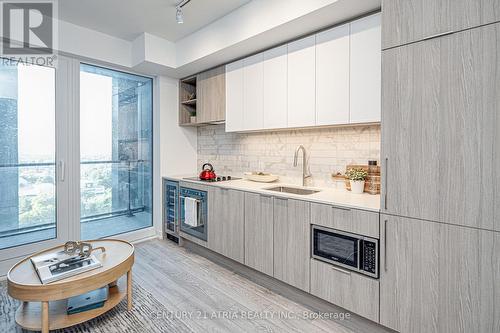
column 330, row 196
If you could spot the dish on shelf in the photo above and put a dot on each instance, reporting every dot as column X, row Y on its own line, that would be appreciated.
column 261, row 177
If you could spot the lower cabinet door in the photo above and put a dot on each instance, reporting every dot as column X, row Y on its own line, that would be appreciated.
column 259, row 232
column 226, row 223
column 352, row 291
column 292, row 242
column 438, row 278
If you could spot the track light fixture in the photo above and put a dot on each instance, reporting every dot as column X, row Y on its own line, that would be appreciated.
column 179, row 16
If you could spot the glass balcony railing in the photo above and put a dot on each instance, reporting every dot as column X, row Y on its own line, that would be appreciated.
column 109, row 189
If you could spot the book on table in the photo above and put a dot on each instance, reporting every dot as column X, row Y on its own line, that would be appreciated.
column 56, row 266
column 92, row 300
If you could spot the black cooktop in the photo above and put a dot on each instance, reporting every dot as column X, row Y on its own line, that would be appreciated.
column 218, row 179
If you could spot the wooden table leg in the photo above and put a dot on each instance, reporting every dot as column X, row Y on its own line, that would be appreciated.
column 129, row 290
column 45, row 317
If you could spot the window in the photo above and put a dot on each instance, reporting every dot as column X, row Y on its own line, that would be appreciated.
column 27, row 154
column 115, row 152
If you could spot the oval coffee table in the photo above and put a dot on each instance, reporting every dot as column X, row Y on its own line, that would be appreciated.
column 44, row 305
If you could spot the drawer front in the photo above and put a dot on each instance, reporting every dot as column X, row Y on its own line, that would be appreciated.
column 352, row 291
column 346, row 219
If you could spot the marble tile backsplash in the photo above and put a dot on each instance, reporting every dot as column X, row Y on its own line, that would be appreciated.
column 329, row 150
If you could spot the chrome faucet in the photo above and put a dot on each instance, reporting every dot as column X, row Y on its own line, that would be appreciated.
column 305, row 174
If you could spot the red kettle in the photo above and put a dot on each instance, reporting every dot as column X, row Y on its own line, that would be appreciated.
column 207, row 172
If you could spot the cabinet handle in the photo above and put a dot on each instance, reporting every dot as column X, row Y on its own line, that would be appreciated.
column 385, row 245
column 386, row 175
column 341, row 270
column 441, row 34
column 62, row 170
column 342, row 208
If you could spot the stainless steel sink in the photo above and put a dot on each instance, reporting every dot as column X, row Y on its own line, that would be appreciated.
column 292, row 190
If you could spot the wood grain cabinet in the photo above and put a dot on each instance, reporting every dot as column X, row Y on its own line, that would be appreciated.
column 211, row 99
column 292, row 242
column 226, row 223
column 355, row 292
column 438, row 278
column 352, row 291
column 406, row 21
column 259, row 225
column 346, row 219
column 441, row 138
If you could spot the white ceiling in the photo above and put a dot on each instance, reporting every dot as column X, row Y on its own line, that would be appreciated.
column 127, row 19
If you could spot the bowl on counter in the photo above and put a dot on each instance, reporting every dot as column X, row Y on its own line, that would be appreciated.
column 261, row 177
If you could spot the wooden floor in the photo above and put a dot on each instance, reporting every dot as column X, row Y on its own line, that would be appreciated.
column 211, row 298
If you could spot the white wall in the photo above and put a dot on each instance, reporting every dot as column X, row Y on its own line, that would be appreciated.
column 86, row 43
column 329, row 150
column 178, row 144
column 175, row 148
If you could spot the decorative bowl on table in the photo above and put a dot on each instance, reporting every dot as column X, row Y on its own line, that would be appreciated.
column 261, row 177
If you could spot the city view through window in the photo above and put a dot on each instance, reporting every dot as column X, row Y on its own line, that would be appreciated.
column 115, row 150
column 27, row 154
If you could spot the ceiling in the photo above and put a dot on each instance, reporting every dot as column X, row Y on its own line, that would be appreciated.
column 127, row 19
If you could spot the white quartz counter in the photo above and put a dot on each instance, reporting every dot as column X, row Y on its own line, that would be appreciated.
column 330, row 196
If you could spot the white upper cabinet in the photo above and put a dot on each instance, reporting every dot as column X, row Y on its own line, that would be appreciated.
column 253, row 92
column 275, row 87
column 365, row 76
column 332, row 76
column 234, row 96
column 302, row 82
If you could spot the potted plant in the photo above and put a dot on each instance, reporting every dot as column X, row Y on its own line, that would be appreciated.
column 357, row 179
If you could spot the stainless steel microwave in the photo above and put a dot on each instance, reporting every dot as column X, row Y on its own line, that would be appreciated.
column 347, row 250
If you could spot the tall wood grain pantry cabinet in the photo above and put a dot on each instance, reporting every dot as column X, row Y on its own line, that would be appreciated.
column 440, row 226
column 441, row 125
column 438, row 277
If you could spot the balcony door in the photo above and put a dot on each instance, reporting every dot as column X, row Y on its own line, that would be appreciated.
column 75, row 156
column 33, row 148
column 116, row 112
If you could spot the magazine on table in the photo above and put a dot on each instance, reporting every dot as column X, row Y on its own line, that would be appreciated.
column 56, row 266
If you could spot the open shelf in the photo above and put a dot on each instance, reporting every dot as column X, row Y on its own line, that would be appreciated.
column 29, row 314
column 190, row 80
column 187, row 98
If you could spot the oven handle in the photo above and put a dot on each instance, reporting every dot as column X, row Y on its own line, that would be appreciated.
column 198, row 202
column 184, row 197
